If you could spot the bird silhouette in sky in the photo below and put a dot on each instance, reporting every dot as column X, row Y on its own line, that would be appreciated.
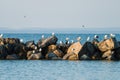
column 83, row 26
column 24, row 16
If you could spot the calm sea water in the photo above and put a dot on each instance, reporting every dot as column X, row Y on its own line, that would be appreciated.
column 60, row 69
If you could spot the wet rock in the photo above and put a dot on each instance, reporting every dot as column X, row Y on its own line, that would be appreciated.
column 51, row 56
column 12, row 57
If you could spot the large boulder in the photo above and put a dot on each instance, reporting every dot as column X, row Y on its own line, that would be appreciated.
column 34, row 56
column 30, row 45
column 21, row 51
column 3, row 52
column 89, row 51
column 107, row 47
column 63, row 47
column 73, row 50
column 59, row 53
column 49, row 41
column 54, row 55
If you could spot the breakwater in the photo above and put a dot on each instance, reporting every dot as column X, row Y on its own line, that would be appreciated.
column 49, row 48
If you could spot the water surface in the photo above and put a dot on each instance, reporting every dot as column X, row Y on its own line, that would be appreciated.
column 59, row 70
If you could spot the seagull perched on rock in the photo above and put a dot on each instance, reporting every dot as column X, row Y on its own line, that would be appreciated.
column 96, row 37
column 40, row 49
column 21, row 40
column 42, row 36
column 105, row 37
column 35, row 47
column 33, row 51
column 72, row 41
column 88, row 38
column 67, row 40
column 112, row 35
column 60, row 42
column 53, row 34
column 79, row 38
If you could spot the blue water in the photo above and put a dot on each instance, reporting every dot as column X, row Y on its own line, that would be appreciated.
column 61, row 37
column 60, row 69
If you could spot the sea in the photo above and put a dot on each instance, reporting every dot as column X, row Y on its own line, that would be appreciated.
column 58, row 69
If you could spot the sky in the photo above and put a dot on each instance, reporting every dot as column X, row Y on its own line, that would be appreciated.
column 60, row 16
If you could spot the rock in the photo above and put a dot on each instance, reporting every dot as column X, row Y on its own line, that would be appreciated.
column 49, row 41
column 1, row 41
column 3, row 52
column 29, row 43
column 84, row 57
column 59, row 53
column 74, row 49
column 106, row 45
column 40, row 42
column 51, row 48
column 89, row 50
column 12, row 57
column 73, row 57
column 63, row 47
column 33, row 56
column 11, row 40
column 51, row 56
column 107, row 55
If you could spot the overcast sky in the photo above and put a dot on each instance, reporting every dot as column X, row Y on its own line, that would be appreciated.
column 59, row 15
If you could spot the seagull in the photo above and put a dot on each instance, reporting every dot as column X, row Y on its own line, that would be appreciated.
column 21, row 40
column 83, row 26
column 72, row 41
column 53, row 34
column 40, row 49
column 105, row 37
column 42, row 36
column 79, row 38
column 112, row 35
column 95, row 36
column 24, row 16
column 1, row 35
column 35, row 47
column 33, row 51
column 67, row 39
column 60, row 42
column 88, row 38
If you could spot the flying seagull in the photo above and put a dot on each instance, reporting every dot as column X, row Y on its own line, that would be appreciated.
column 83, row 26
